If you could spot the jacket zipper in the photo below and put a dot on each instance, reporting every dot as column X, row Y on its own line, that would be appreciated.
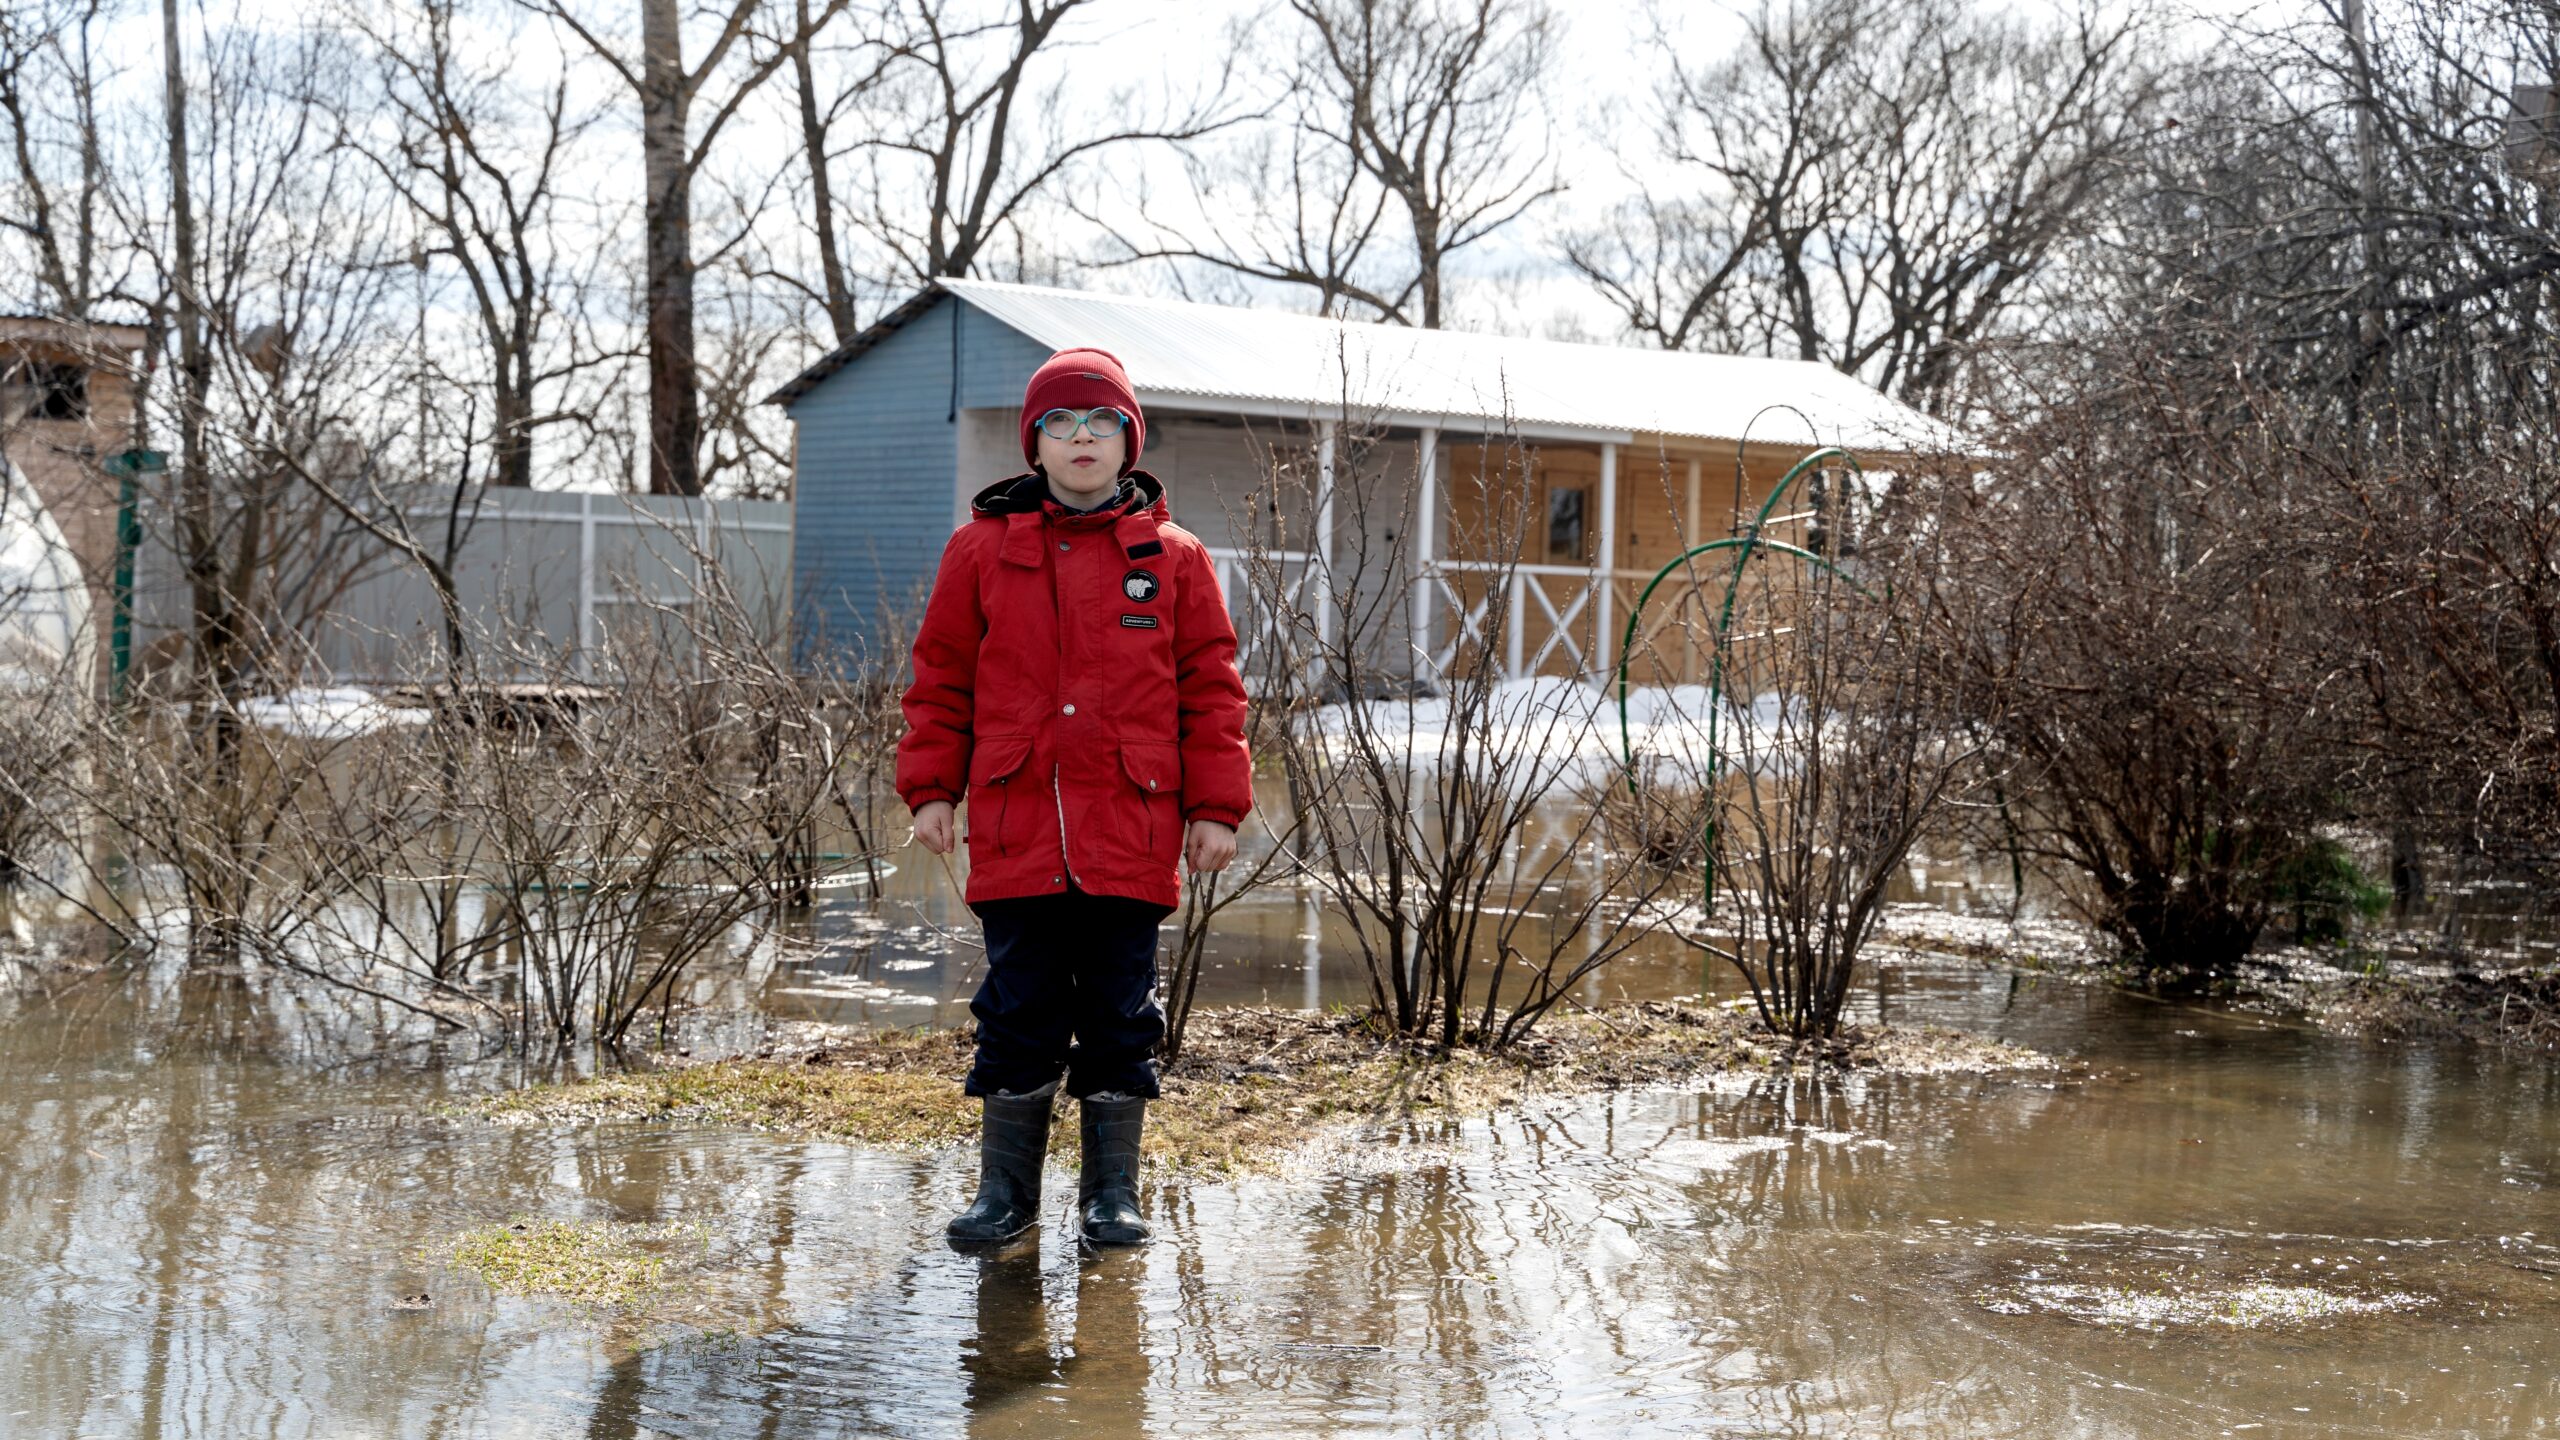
column 1057, row 770
column 1058, row 792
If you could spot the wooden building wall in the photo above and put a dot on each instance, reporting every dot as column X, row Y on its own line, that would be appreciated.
column 1499, row 494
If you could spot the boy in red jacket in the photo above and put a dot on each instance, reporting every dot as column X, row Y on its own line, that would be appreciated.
column 1075, row 684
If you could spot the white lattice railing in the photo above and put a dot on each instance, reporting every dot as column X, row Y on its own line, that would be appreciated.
column 1258, row 625
column 1551, row 609
column 1554, row 610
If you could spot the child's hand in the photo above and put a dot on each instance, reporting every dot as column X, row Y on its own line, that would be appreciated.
column 1208, row 846
column 933, row 826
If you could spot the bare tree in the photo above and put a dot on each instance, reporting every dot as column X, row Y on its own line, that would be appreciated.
column 50, row 85
column 478, row 147
column 835, row 290
column 275, row 268
column 214, row 625
column 750, row 345
column 673, row 149
column 2447, row 561
column 1415, row 131
column 1879, row 186
column 2380, row 196
column 2354, row 230
column 949, row 161
column 2132, row 575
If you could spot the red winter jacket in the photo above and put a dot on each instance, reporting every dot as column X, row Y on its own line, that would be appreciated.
column 1075, row 681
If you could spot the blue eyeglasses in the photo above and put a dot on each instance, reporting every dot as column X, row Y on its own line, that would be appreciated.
column 1101, row 422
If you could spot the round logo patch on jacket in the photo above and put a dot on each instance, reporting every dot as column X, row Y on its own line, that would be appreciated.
column 1139, row 585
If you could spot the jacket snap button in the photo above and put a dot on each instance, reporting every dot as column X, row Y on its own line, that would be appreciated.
column 1151, row 784
column 1063, row 545
column 1068, row 710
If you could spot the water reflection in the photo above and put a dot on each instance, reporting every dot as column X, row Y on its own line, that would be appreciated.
column 1020, row 1343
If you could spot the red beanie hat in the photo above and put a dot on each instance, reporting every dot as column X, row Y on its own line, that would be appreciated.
column 1080, row 379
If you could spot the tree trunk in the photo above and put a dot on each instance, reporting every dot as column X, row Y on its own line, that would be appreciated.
column 214, row 909
column 510, row 428
column 195, row 506
column 822, row 212
column 675, row 416
column 1428, row 248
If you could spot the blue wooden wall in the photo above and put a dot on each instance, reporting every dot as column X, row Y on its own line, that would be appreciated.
column 872, row 501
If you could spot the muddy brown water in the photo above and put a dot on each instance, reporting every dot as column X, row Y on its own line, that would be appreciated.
column 216, row 1200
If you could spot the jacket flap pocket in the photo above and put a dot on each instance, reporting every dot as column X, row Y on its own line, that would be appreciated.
column 1152, row 766
column 997, row 756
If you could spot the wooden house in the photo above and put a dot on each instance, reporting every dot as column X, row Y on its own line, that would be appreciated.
column 1439, row 465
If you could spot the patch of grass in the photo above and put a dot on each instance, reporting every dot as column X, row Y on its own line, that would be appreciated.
column 590, row 1262
column 1254, row 1087
column 894, row 1089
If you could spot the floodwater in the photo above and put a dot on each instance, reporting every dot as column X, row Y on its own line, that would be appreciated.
column 215, row 1205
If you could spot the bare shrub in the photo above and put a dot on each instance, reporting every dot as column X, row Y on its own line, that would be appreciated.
column 1795, row 781
column 523, row 839
column 2133, row 577
column 1449, row 812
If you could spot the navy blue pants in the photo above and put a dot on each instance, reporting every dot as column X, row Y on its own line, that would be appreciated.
column 1070, row 988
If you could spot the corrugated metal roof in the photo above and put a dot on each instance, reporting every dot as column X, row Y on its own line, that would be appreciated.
column 1184, row 355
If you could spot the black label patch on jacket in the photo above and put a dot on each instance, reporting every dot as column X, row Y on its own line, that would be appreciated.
column 1145, row 548
column 1139, row 585
column 1139, row 622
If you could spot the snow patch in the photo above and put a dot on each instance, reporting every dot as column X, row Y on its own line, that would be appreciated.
column 327, row 713
column 1569, row 729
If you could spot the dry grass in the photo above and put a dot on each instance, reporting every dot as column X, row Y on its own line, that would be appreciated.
column 1253, row 1086
column 589, row 1262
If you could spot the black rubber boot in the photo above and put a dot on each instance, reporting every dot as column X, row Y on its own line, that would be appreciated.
column 1107, row 1195
column 1013, row 1139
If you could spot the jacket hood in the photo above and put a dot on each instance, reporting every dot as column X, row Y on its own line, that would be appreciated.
column 1027, row 492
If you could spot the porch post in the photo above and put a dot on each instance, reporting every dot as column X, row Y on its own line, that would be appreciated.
column 1426, row 547
column 1324, row 531
column 1606, row 602
column 1697, row 518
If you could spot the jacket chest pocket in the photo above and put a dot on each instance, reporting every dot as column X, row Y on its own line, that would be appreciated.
column 1136, row 641
column 995, row 772
column 1153, row 771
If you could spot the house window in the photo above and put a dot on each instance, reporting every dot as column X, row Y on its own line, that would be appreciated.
column 40, row 390
column 1565, row 528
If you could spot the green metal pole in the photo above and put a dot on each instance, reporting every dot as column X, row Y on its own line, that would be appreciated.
column 1750, row 544
column 128, row 468
column 128, row 539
